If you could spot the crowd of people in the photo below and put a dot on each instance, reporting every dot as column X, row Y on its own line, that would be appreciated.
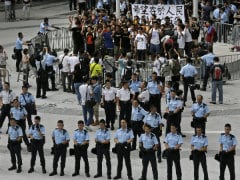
column 128, row 40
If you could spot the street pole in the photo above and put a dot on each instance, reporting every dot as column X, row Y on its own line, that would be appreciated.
column 117, row 9
column 195, row 8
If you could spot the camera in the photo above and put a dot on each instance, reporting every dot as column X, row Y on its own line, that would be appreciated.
column 194, row 86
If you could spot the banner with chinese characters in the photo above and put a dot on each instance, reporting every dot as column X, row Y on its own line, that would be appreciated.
column 161, row 11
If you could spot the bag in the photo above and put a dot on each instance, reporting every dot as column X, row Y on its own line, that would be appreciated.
column 30, row 107
column 217, row 73
column 90, row 103
column 176, row 67
column 60, row 65
column 128, row 73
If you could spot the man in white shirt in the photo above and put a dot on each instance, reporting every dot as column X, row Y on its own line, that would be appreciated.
column 141, row 44
column 72, row 61
column 181, row 39
column 188, row 40
column 64, row 66
column 154, row 33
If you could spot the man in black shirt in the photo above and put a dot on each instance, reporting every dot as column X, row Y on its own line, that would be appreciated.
column 116, row 40
column 125, row 42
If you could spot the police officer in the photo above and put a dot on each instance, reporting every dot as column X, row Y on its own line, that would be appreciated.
column 199, row 143
column 138, row 114
column 123, row 138
column 37, row 138
column 148, row 145
column 19, row 113
column 155, row 87
column 81, row 143
column 14, row 145
column 144, row 96
column 42, row 77
column 61, row 140
column 207, row 63
column 27, row 101
column 200, row 112
column 168, row 93
column 6, row 98
column 49, row 60
column 109, row 103
column 228, row 144
column 124, row 102
column 155, row 121
column 188, row 73
column 134, row 85
column 102, row 140
column 173, row 109
column 173, row 143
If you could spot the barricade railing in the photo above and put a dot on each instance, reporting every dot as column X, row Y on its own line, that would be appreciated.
column 235, row 39
column 224, row 32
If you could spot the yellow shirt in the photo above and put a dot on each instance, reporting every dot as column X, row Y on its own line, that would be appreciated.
column 95, row 69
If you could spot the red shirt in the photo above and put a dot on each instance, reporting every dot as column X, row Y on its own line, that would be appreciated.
column 210, row 34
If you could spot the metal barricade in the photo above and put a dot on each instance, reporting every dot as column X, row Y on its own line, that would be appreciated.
column 235, row 39
column 224, row 32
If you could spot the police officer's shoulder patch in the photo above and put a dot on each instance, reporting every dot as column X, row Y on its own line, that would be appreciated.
column 85, row 131
column 232, row 136
column 40, row 125
column 222, row 134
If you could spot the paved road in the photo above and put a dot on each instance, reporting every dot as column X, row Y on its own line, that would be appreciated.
column 61, row 105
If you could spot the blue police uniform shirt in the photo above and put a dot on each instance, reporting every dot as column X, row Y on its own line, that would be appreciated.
column 173, row 139
column 80, row 136
column 26, row 98
column 102, row 135
column 123, row 135
column 200, row 110
column 60, row 135
column 188, row 71
column 227, row 141
column 19, row 44
column 208, row 59
column 138, row 113
column 153, row 120
column 49, row 59
column 34, row 131
column 18, row 113
column 134, row 85
column 148, row 140
column 15, row 132
column 216, row 13
column 199, row 141
column 174, row 104
column 43, row 26
column 153, row 87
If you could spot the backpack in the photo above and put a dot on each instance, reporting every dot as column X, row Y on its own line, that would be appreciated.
column 176, row 67
column 128, row 71
column 217, row 73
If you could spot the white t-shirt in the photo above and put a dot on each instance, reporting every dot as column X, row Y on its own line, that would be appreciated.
column 72, row 61
column 8, row 3
column 155, row 36
column 181, row 40
column 141, row 42
column 188, row 36
column 85, row 95
column 66, row 67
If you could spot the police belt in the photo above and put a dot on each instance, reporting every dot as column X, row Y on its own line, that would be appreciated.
column 61, row 145
column 37, row 141
column 197, row 152
column 123, row 146
column 200, row 119
column 145, row 151
column 228, row 153
column 125, row 102
column 102, row 146
column 111, row 101
column 14, row 142
column 81, row 146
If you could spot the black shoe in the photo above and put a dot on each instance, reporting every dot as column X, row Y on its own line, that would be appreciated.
column 159, row 160
column 109, row 177
column 112, row 128
column 19, row 170
column 54, row 89
column 133, row 149
column 212, row 102
column 44, row 170
column 53, row 173
column 142, row 178
column 29, row 148
column 30, row 170
column 75, row 174
column 62, row 173
column 117, row 177
column 97, row 176
column 44, row 97
column 49, row 89
column 202, row 89
column 130, row 178
column 87, row 175
column 12, row 168
column 38, row 96
column 108, row 126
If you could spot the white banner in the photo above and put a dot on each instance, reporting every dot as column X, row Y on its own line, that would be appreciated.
column 161, row 11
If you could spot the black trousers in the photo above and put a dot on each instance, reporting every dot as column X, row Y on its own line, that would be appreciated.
column 82, row 7
column 125, row 111
column 110, row 112
column 188, row 47
column 59, row 151
column 18, row 59
column 186, row 82
column 123, row 153
column 74, row 3
column 15, row 150
column 141, row 55
column 64, row 76
column 137, row 127
column 173, row 156
column 206, row 76
column 22, row 124
column 227, row 160
column 29, row 117
column 37, row 146
column 5, row 112
column 100, row 152
column 51, row 75
column 81, row 153
column 155, row 99
column 200, row 122
column 41, row 86
column 199, row 157
column 149, row 157
column 173, row 119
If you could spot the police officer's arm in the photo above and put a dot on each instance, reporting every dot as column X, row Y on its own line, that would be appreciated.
column 86, row 141
column 131, row 137
column 180, row 142
column 207, row 112
column 20, row 134
column 53, row 137
column 107, row 140
column 67, row 138
column 166, row 145
column 233, row 148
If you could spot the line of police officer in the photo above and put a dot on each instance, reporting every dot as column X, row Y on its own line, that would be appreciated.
column 148, row 144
